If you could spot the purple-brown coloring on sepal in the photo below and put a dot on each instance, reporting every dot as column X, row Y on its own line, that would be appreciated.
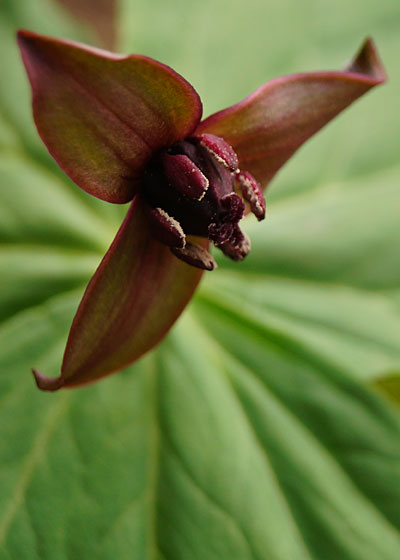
column 129, row 128
column 45, row 383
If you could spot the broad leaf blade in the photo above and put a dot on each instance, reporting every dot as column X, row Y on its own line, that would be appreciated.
column 307, row 413
column 353, row 328
column 341, row 231
column 100, row 472
column 210, row 442
column 14, row 95
column 389, row 385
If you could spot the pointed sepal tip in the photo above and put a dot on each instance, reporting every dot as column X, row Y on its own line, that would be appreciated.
column 45, row 383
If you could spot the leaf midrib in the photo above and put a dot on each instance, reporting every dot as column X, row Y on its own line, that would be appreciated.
column 37, row 451
column 318, row 443
column 300, row 317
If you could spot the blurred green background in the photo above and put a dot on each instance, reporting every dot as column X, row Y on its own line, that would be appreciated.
column 265, row 426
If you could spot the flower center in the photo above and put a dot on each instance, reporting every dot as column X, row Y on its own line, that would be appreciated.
column 191, row 189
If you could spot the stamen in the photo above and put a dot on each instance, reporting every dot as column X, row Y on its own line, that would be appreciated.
column 220, row 150
column 166, row 229
column 195, row 187
column 252, row 193
column 195, row 256
column 185, row 176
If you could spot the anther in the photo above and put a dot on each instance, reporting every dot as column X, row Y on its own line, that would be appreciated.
column 195, row 256
column 166, row 229
column 252, row 193
column 220, row 150
column 184, row 176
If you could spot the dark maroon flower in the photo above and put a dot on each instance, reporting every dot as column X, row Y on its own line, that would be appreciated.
column 129, row 128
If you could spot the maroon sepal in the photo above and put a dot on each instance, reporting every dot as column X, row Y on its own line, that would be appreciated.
column 103, row 116
column 267, row 128
column 134, row 297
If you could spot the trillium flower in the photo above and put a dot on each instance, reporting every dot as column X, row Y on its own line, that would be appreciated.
column 128, row 128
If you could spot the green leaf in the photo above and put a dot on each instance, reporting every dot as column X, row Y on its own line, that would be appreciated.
column 344, row 231
column 355, row 329
column 389, row 385
column 14, row 95
column 146, row 455
column 252, row 431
